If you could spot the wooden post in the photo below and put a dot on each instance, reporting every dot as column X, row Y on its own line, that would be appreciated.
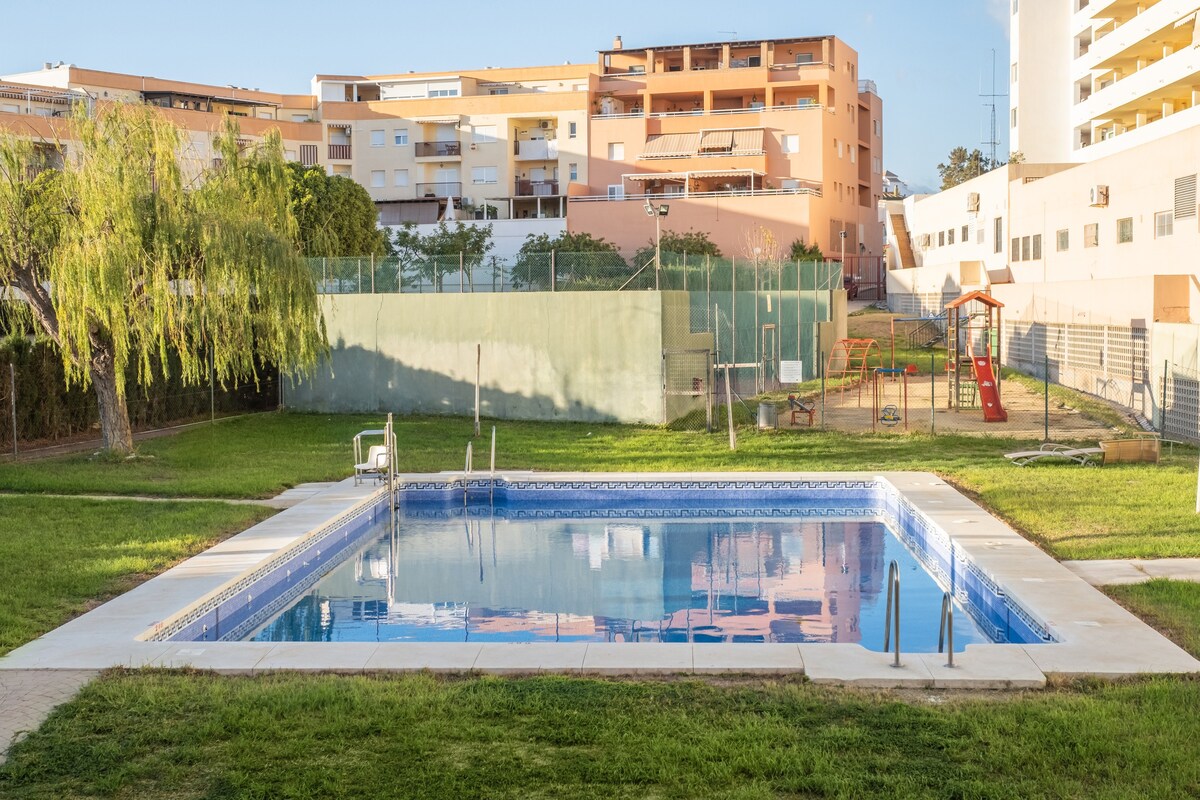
column 478, row 360
column 729, row 410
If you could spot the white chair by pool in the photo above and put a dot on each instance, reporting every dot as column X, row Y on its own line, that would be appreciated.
column 376, row 464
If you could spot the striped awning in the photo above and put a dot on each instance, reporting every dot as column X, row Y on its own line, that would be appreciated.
column 716, row 141
column 725, row 173
column 748, row 142
column 646, row 177
column 672, row 145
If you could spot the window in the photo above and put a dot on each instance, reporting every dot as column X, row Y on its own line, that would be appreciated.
column 572, row 172
column 791, row 143
column 443, row 92
column 1026, row 255
column 1037, row 247
column 500, row 90
column 301, row 117
column 1164, row 224
column 964, row 234
column 400, row 136
column 1016, row 248
column 289, row 155
column 377, row 178
column 483, row 134
column 1013, row 73
column 805, row 58
column 837, row 144
column 1014, row 6
column 308, row 154
column 1013, row 121
column 941, row 238
column 377, row 138
column 950, row 236
column 1064, row 240
column 1125, row 230
column 878, row 128
column 616, row 152
column 1091, row 235
column 616, row 191
column 853, row 155
column 483, row 174
column 998, row 234
column 572, row 130
column 399, row 177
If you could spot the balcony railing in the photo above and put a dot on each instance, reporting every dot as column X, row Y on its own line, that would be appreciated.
column 535, row 188
column 443, row 189
column 339, row 151
column 805, row 106
column 806, row 188
column 438, row 149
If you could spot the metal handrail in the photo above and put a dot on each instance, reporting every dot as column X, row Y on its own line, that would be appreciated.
column 893, row 604
column 946, row 628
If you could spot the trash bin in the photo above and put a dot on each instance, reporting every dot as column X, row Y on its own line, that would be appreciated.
column 768, row 416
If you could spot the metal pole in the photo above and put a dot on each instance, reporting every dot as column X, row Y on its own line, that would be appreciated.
column 932, row 394
column 732, row 311
column 358, row 266
column 12, row 389
column 1046, row 398
column 478, row 359
column 372, row 273
column 1162, row 401
column 460, row 271
column 553, row 272
column 657, row 250
column 758, row 353
column 729, row 410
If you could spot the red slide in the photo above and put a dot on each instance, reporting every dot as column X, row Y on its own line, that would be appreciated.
column 992, row 410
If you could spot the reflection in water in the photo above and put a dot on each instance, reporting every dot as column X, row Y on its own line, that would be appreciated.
column 630, row 581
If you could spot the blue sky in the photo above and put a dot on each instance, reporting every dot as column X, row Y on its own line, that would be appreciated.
column 929, row 58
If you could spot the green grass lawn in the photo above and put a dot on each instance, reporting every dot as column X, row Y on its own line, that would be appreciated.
column 170, row 735
column 1172, row 607
column 60, row 557
column 1129, row 510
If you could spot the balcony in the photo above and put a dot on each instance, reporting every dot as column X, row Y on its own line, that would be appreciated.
column 535, row 188
column 442, row 189
column 442, row 151
column 339, row 151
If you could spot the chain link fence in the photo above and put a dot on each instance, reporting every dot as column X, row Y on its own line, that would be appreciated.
column 40, row 411
column 1180, row 416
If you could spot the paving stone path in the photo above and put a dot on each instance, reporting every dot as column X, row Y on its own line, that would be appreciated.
column 27, row 696
column 1135, row 570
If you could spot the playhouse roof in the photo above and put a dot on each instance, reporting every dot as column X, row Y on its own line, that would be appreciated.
column 982, row 297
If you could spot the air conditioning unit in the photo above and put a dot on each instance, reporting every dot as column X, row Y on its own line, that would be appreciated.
column 1098, row 195
column 973, row 202
column 544, row 124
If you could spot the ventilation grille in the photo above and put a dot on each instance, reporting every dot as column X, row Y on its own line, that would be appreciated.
column 1185, row 197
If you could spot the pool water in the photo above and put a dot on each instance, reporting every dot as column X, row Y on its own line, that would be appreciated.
column 620, row 580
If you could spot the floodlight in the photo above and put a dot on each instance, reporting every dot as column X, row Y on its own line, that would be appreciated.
column 663, row 209
column 650, row 212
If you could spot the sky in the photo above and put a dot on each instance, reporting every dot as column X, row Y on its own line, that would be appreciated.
column 931, row 59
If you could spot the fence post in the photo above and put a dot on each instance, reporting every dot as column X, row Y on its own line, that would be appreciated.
column 460, row 271
column 729, row 410
column 1162, row 401
column 212, row 387
column 932, row 394
column 324, row 274
column 372, row 273
column 358, row 265
column 399, row 278
column 553, row 268
column 12, row 387
column 685, row 270
column 1046, row 398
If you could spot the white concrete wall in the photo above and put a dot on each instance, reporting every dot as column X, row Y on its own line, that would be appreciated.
column 507, row 234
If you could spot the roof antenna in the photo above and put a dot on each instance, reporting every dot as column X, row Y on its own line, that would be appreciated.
column 993, row 139
column 732, row 35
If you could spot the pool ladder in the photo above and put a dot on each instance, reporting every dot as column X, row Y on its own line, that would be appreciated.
column 891, row 622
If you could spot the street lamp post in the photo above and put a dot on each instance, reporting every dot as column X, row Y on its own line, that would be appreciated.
column 657, row 213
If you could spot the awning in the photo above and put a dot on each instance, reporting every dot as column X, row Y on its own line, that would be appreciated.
column 646, row 177
column 454, row 120
column 672, row 145
column 726, row 173
column 747, row 142
column 716, row 141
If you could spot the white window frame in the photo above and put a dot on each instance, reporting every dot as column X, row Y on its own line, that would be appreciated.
column 572, row 130
column 483, row 175
column 484, row 134
column 400, row 177
column 1162, row 230
column 790, row 143
column 377, row 137
column 616, row 151
column 400, row 137
column 378, row 178
column 616, row 191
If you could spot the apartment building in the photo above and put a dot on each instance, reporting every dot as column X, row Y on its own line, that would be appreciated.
column 770, row 140
column 37, row 103
column 487, row 144
column 776, row 134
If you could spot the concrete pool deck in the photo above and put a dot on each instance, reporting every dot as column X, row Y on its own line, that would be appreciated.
column 1096, row 637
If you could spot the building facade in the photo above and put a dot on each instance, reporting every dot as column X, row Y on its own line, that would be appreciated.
column 751, row 142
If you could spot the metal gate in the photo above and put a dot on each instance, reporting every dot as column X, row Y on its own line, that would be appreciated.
column 687, row 388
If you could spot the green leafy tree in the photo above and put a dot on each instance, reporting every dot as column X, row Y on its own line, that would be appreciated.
column 578, row 257
column 431, row 256
column 123, row 258
column 692, row 243
column 962, row 166
column 335, row 216
column 799, row 251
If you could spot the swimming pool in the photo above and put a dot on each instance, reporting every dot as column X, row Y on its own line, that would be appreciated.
column 672, row 560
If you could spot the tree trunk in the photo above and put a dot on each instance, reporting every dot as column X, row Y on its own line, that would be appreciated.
column 115, row 429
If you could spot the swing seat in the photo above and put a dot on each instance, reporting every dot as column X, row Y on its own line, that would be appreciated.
column 799, row 406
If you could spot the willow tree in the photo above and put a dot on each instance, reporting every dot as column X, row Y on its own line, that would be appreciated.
column 136, row 250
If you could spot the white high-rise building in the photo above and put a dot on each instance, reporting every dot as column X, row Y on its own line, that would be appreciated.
column 1090, row 78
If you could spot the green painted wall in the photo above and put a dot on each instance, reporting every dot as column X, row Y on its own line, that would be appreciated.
column 586, row 356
